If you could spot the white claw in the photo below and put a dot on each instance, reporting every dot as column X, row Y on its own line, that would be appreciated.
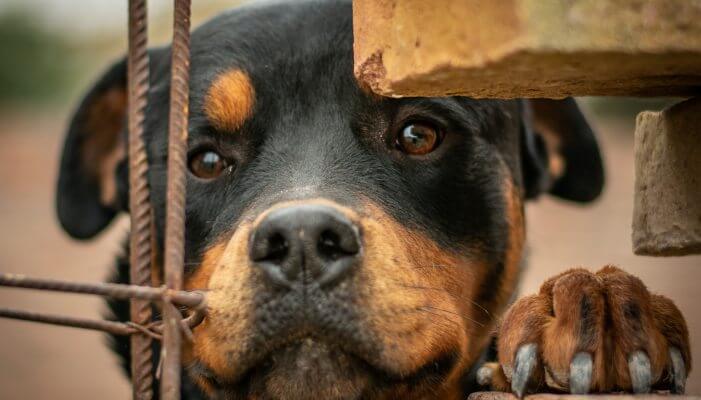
column 581, row 369
column 524, row 364
column 484, row 375
column 678, row 371
column 640, row 372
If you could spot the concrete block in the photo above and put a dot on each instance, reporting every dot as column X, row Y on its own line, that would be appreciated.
column 667, row 210
column 528, row 48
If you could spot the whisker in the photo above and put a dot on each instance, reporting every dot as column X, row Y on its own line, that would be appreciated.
column 478, row 305
column 433, row 266
column 421, row 287
column 454, row 324
column 443, row 290
column 459, row 315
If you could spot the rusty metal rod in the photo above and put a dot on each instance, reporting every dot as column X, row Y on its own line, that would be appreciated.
column 139, row 202
column 113, row 290
column 175, row 192
column 113, row 327
column 153, row 330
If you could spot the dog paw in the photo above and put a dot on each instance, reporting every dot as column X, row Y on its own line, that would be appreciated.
column 592, row 332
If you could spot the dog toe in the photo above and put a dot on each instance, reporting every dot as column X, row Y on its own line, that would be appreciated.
column 678, row 371
column 640, row 372
column 594, row 332
column 581, row 369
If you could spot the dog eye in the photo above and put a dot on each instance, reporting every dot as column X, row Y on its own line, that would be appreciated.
column 418, row 138
column 207, row 164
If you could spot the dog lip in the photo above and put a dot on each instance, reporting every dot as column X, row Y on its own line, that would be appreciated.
column 435, row 368
column 243, row 379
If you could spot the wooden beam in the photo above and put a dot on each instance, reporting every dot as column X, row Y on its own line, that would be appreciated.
column 667, row 211
column 528, row 48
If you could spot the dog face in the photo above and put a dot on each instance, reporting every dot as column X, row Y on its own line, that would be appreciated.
column 350, row 245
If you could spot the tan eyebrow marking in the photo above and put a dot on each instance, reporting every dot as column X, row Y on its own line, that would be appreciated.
column 230, row 99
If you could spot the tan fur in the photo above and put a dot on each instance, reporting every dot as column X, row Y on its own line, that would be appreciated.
column 522, row 324
column 623, row 289
column 553, row 320
column 226, row 278
column 103, row 147
column 517, row 238
column 563, row 335
column 199, row 280
column 670, row 322
column 415, row 297
column 546, row 123
column 230, row 100
column 402, row 272
column 487, row 314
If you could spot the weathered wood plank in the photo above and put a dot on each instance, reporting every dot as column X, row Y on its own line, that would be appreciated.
column 667, row 211
column 528, row 48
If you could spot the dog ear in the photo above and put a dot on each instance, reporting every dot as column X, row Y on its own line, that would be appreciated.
column 559, row 151
column 93, row 177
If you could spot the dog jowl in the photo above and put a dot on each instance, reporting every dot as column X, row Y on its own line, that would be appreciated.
column 351, row 246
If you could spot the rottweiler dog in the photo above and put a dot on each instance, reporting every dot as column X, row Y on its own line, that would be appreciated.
column 354, row 246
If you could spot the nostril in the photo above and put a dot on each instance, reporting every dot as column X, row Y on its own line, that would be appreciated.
column 333, row 245
column 329, row 245
column 270, row 251
column 313, row 242
column 277, row 249
column 274, row 248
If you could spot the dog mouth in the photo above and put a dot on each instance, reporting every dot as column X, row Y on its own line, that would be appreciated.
column 305, row 366
column 309, row 366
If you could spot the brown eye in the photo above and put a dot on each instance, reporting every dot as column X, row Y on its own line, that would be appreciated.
column 418, row 138
column 207, row 164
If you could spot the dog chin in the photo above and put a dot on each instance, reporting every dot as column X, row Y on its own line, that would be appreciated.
column 310, row 369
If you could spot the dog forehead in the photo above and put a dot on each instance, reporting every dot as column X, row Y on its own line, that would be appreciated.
column 273, row 37
column 229, row 100
column 268, row 53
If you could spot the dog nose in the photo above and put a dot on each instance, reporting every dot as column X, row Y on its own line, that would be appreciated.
column 307, row 243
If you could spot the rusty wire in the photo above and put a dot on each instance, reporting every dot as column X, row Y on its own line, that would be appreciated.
column 139, row 203
column 194, row 301
column 113, row 327
column 113, row 290
column 140, row 293
column 153, row 330
column 175, row 194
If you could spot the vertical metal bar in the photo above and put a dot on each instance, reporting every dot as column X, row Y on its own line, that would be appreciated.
column 139, row 204
column 175, row 192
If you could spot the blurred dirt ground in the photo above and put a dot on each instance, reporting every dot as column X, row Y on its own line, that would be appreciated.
column 62, row 363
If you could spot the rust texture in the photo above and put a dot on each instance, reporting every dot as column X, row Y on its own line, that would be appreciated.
column 153, row 330
column 175, row 192
column 195, row 301
column 113, row 290
column 113, row 327
column 141, row 293
column 139, row 204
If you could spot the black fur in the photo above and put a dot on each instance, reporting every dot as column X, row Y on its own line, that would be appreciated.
column 313, row 127
column 118, row 310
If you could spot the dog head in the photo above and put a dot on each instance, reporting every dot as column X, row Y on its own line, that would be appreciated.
column 350, row 245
